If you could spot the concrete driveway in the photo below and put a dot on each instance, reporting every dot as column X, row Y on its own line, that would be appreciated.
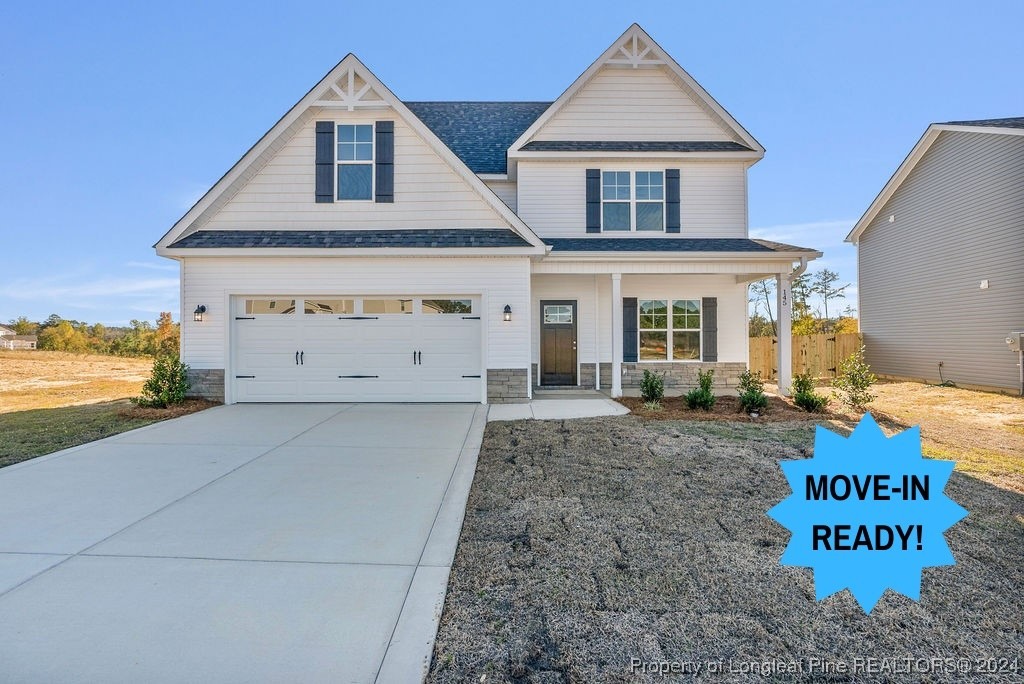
column 251, row 543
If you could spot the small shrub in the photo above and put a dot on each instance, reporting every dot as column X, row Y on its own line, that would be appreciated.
column 810, row 401
column 751, row 389
column 167, row 384
column 853, row 386
column 804, row 395
column 652, row 387
column 702, row 397
column 652, row 406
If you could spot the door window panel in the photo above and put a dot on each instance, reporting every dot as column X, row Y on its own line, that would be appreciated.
column 387, row 306
column 330, row 306
column 557, row 313
column 257, row 307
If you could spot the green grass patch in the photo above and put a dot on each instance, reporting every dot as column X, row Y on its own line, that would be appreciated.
column 27, row 434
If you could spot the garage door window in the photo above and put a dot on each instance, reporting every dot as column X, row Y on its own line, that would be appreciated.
column 330, row 306
column 269, row 306
column 447, row 306
column 387, row 306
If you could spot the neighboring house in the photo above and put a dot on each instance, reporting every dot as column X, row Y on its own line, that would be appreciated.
column 6, row 332
column 941, row 258
column 18, row 342
column 370, row 249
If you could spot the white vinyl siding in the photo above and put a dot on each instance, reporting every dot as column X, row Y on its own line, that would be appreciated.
column 713, row 196
column 505, row 190
column 428, row 194
column 633, row 104
column 498, row 281
column 958, row 220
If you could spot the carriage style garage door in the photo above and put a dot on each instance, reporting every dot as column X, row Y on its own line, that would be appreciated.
column 347, row 348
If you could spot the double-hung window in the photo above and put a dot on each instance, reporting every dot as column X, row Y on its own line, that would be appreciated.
column 669, row 329
column 633, row 201
column 355, row 162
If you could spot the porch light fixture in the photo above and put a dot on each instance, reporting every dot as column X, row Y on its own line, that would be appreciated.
column 197, row 315
column 508, row 313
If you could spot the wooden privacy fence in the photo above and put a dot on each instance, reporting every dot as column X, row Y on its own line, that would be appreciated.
column 818, row 355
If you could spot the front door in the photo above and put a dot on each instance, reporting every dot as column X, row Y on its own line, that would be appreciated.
column 558, row 342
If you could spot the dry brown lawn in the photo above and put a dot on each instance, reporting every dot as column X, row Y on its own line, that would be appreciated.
column 982, row 431
column 45, row 379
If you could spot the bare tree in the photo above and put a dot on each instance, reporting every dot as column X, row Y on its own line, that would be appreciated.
column 823, row 284
column 764, row 289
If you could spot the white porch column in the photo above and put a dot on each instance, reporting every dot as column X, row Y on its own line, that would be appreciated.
column 784, row 348
column 616, row 335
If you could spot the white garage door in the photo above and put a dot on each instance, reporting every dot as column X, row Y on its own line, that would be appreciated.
column 341, row 348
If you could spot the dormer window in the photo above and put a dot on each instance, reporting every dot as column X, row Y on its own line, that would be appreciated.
column 633, row 201
column 355, row 162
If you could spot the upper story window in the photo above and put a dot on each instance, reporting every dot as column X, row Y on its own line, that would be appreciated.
column 633, row 201
column 355, row 162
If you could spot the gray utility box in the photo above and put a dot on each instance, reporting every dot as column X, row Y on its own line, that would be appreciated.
column 1016, row 340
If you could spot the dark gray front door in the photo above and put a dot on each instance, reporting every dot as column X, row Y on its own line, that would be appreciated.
column 558, row 342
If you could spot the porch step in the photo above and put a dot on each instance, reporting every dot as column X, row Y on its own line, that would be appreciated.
column 566, row 393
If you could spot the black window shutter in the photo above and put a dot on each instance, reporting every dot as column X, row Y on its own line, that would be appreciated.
column 384, row 162
column 630, row 330
column 672, row 223
column 593, row 200
column 709, row 328
column 324, row 161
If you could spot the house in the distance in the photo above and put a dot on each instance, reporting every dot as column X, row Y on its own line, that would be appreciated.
column 371, row 249
column 941, row 258
column 9, row 339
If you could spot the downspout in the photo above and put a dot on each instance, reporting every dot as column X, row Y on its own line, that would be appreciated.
column 799, row 270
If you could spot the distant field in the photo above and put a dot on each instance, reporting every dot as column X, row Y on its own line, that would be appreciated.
column 44, row 379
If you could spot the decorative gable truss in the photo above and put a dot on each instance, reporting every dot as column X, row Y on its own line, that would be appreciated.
column 636, row 99
column 351, row 92
column 348, row 88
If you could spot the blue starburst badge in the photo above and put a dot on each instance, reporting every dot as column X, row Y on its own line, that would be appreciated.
column 867, row 513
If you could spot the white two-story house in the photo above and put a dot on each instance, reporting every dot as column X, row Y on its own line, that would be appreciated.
column 371, row 249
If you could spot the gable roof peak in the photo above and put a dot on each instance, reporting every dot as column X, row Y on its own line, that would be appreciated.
column 635, row 48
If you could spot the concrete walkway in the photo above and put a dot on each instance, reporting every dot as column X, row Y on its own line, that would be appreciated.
column 244, row 543
column 590, row 406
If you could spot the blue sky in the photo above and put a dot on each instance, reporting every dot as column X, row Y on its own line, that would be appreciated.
column 119, row 115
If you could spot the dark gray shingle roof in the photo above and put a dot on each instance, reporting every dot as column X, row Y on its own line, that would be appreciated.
column 479, row 133
column 634, row 146
column 669, row 244
column 459, row 237
column 1013, row 122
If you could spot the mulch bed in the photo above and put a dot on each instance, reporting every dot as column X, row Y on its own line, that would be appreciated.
column 726, row 408
column 590, row 542
column 183, row 409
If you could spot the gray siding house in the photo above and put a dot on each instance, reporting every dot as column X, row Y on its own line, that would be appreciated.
column 941, row 258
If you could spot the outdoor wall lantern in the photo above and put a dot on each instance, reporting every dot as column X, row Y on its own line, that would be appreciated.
column 508, row 312
column 197, row 315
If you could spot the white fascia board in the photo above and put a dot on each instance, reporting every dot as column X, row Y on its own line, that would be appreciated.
column 598, row 155
column 342, row 252
column 608, row 55
column 493, row 176
column 350, row 62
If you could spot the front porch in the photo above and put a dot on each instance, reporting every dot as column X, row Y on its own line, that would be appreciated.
column 601, row 328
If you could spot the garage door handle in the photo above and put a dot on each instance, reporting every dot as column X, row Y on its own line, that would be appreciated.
column 296, row 358
column 358, row 376
column 358, row 318
column 471, row 376
column 419, row 358
column 302, row 358
column 471, row 318
column 245, row 318
column 245, row 376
